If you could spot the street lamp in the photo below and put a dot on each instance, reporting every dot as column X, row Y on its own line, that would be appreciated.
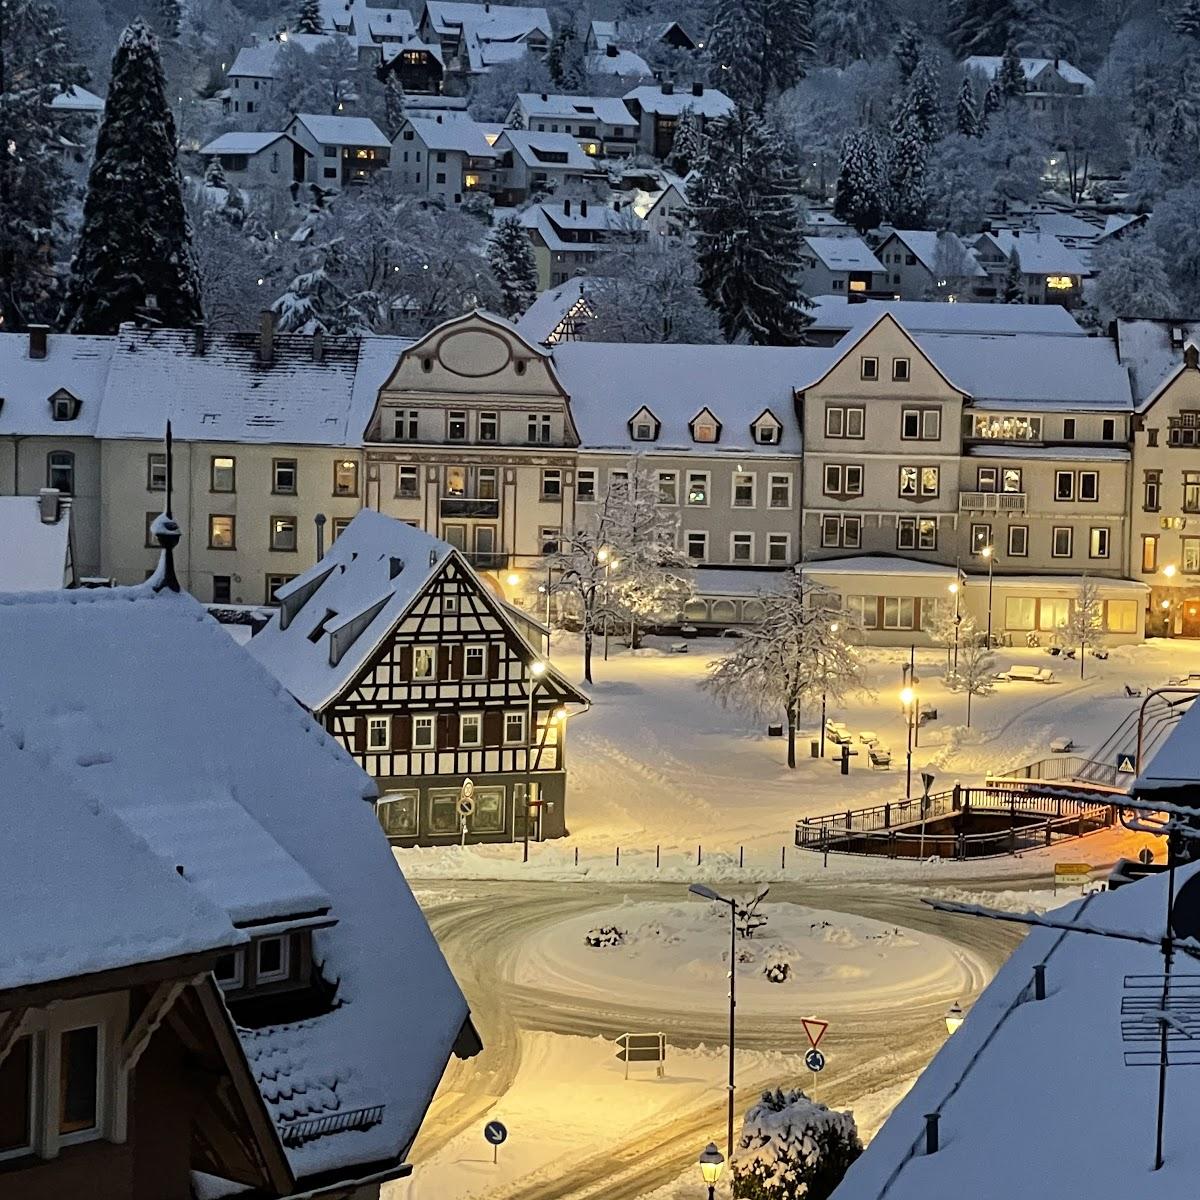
column 955, row 591
column 512, row 579
column 605, row 558
column 1169, row 571
column 833, row 628
column 954, row 1017
column 989, row 552
column 712, row 1162
column 537, row 669
column 702, row 890
column 908, row 697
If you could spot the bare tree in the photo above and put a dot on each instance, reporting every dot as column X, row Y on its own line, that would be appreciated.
column 1085, row 627
column 976, row 674
column 798, row 654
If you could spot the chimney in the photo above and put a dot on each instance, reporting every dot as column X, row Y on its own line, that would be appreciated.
column 668, row 87
column 545, row 97
column 697, row 89
column 439, row 119
column 50, row 505
column 318, row 346
column 198, row 339
column 583, row 208
column 931, row 1132
column 37, row 340
column 566, row 208
column 266, row 337
column 611, row 50
column 395, row 566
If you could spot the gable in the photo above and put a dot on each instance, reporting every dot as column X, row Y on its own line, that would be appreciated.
column 644, row 426
column 704, row 424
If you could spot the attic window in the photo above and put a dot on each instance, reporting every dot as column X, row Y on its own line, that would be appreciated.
column 64, row 406
column 766, row 434
column 704, row 431
column 643, row 431
column 520, row 366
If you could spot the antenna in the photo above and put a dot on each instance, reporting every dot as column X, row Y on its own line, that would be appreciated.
column 166, row 531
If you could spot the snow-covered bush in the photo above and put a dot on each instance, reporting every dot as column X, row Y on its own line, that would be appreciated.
column 777, row 970
column 604, row 937
column 792, row 1148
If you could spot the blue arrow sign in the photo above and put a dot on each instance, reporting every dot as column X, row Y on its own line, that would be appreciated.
column 814, row 1060
column 1125, row 764
column 495, row 1133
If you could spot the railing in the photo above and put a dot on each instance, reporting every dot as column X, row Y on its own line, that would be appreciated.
column 1061, row 766
column 487, row 561
column 991, row 501
column 297, row 1133
column 469, row 506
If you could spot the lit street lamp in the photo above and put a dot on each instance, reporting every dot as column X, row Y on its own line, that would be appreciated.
column 700, row 889
column 712, row 1161
column 833, row 628
column 954, row 1017
column 956, row 592
column 908, row 697
column 536, row 670
column 989, row 552
column 1168, row 571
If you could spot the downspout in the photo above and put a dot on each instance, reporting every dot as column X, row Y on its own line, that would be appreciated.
column 17, row 439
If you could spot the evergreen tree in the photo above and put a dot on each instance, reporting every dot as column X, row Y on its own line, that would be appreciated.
column 35, row 66
column 907, row 171
column 1010, row 79
column 1186, row 18
column 308, row 18
column 849, row 31
column 167, row 18
column 748, row 232
column 515, row 271
column 565, row 58
column 907, row 50
column 859, row 196
column 993, row 101
column 685, row 147
column 136, row 239
column 791, row 42
column 1131, row 279
column 393, row 103
column 969, row 121
column 922, row 104
column 982, row 26
column 214, row 174
column 761, row 46
column 1014, row 285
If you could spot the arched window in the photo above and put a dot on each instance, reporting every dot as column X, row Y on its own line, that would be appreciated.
column 60, row 471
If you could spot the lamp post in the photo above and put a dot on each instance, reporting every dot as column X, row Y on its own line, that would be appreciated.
column 604, row 556
column 955, row 591
column 954, row 1018
column 989, row 552
column 1169, row 571
column 537, row 669
column 908, row 697
column 700, row 889
column 711, row 1163
column 833, row 628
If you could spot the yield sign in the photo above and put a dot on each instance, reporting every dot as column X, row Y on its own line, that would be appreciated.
column 814, row 1029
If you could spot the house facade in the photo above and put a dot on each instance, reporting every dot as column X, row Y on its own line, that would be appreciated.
column 1049, row 272
column 919, row 265
column 343, row 150
column 658, row 108
column 839, row 266
column 260, row 161
column 449, row 157
column 568, row 236
column 602, row 125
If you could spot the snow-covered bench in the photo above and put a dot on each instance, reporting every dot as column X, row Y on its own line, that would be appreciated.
column 1027, row 674
column 1061, row 745
column 879, row 758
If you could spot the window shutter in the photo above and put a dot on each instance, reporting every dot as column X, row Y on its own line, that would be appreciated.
column 493, row 727
column 406, row 657
column 443, row 662
column 456, row 662
column 360, row 735
column 447, row 729
column 494, row 660
column 401, row 732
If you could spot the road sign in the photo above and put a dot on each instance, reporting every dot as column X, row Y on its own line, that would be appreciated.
column 1126, row 763
column 814, row 1060
column 495, row 1134
column 466, row 806
column 814, row 1030
column 642, row 1047
column 1145, row 856
column 1071, row 874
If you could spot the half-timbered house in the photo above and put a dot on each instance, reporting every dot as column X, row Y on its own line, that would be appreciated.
column 419, row 669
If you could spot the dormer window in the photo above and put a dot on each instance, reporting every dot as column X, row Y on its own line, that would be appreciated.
column 767, row 430
column 644, row 426
column 705, row 427
column 64, row 406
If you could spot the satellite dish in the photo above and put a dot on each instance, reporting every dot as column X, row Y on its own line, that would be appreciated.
column 1185, row 912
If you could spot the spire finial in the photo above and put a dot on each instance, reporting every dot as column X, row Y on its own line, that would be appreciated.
column 166, row 531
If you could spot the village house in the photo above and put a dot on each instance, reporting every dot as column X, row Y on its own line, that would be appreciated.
column 77, row 113
column 1054, row 87
column 475, row 37
column 343, row 150
column 839, row 265
column 602, row 125
column 260, row 161
column 250, row 862
column 569, row 236
column 427, row 677
column 657, row 109
column 559, row 314
column 366, row 25
column 922, row 265
column 448, row 158
column 532, row 163
column 1049, row 272
column 417, row 66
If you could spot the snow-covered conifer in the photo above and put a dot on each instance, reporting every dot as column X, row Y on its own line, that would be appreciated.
column 135, row 246
column 799, row 651
column 921, row 105
column 908, row 165
column 214, row 174
column 1014, row 284
column 34, row 189
column 308, row 17
column 982, row 26
column 1130, row 279
column 993, row 101
column 1010, row 78
column 513, row 266
column 565, row 58
column 167, row 18
column 685, row 148
column 761, row 46
column 747, row 220
column 907, row 50
column 848, row 31
column 393, row 104
column 859, row 197
column 967, row 116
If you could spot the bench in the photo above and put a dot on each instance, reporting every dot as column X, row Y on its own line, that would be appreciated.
column 1061, row 745
column 879, row 758
column 1132, row 692
column 1027, row 674
column 679, row 647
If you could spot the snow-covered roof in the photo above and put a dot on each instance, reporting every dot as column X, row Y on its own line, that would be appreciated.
column 140, row 700
column 496, row 22
column 343, row 131
column 76, row 363
column 710, row 103
column 843, row 253
column 552, row 307
column 989, row 64
column 1065, row 225
column 877, row 564
column 551, row 219
column 1039, row 253
column 933, row 316
column 609, row 382
column 532, row 148
column 461, row 135
column 377, row 359
column 732, row 581
column 35, row 555
column 1114, row 223
column 610, row 110
column 1034, row 1096
column 83, row 893
column 227, row 393
column 77, row 99
column 1176, row 764
column 245, row 143
column 624, row 63
column 261, row 61
column 1051, row 372
column 923, row 243
column 1152, row 350
column 376, row 568
column 387, row 23
column 1067, row 584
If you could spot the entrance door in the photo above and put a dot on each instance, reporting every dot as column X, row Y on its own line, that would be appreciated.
column 1190, row 626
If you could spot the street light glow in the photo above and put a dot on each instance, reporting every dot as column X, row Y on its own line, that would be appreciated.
column 712, row 1162
column 513, row 579
column 537, row 668
column 602, row 554
column 987, row 551
column 907, row 696
column 834, row 627
column 953, row 589
column 1169, row 570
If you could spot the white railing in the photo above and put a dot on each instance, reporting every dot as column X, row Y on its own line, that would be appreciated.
column 991, row 501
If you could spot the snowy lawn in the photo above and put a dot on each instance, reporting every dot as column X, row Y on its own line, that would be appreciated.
column 676, row 957
column 658, row 763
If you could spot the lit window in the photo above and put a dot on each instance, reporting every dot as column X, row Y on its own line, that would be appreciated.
column 424, row 661
column 283, row 533
column 221, row 532
column 697, row 489
column 223, row 477
column 345, row 478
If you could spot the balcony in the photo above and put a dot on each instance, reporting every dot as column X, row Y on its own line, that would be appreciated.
column 470, row 506
column 994, row 502
column 487, row 560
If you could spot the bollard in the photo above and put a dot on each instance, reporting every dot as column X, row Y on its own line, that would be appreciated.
column 1039, row 981
column 657, row 857
column 577, row 856
column 845, row 760
column 931, row 1132
column 698, row 856
column 783, row 858
column 618, row 856
column 741, row 856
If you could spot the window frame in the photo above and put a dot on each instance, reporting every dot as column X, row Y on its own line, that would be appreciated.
column 154, row 461
column 901, row 370
column 66, row 462
column 580, row 473
column 376, row 721
column 671, row 479
column 747, row 478
column 511, row 715
column 273, row 530
column 285, row 464
column 1055, row 530
column 212, row 474
column 744, row 538
column 481, row 652
column 281, row 973
column 868, row 368
column 1061, row 477
column 779, row 479
column 400, row 796
column 346, row 464
column 232, row 519
column 702, row 535
column 554, row 475
column 432, row 674
column 1099, row 541
column 475, row 718
column 423, row 721
column 1024, row 550
column 408, row 470
column 706, row 476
